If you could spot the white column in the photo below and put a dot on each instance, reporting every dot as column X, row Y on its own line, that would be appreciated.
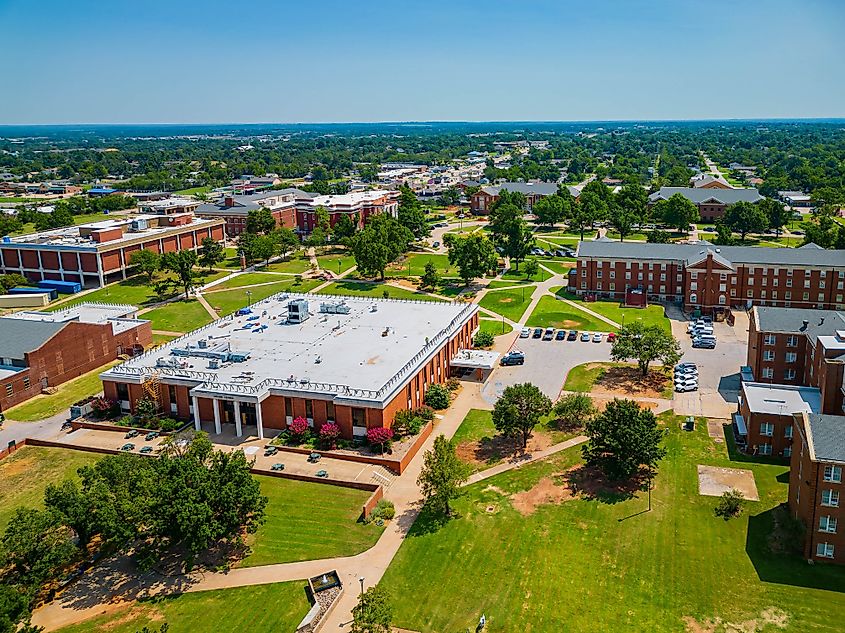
column 197, row 424
column 238, row 429
column 122, row 263
column 100, row 268
column 258, row 420
column 79, row 268
column 217, row 428
column 61, row 265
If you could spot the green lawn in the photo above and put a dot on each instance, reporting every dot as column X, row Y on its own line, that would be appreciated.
column 227, row 301
column 161, row 339
column 509, row 303
column 512, row 274
column 179, row 316
column 583, row 377
column 364, row 289
column 508, row 283
column 633, row 237
column 551, row 312
column 295, row 264
column 248, row 279
column 496, row 328
column 45, row 406
column 308, row 521
column 193, row 191
column 650, row 315
column 600, row 562
column 258, row 609
column 336, row 262
column 24, row 476
column 561, row 266
column 414, row 265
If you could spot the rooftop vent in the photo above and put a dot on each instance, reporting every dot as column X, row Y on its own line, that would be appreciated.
column 804, row 324
column 821, row 321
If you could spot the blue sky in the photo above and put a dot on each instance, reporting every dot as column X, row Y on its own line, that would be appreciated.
column 209, row 61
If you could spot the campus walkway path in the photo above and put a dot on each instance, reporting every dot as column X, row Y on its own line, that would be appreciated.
column 527, row 459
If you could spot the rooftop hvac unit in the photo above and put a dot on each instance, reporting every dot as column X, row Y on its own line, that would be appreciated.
column 297, row 311
column 238, row 357
column 213, row 363
column 338, row 307
column 202, row 343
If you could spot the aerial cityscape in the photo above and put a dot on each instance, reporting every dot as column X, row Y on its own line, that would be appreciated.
column 541, row 333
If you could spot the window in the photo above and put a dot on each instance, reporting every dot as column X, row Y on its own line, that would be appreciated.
column 789, row 283
column 787, row 432
column 693, row 298
column 583, row 272
column 639, row 276
column 583, row 285
column 733, row 292
column 769, row 355
column 762, row 294
column 791, row 357
column 768, row 372
column 789, row 374
column 774, row 294
column 330, row 411
column 749, row 294
column 627, row 265
column 767, row 429
column 788, row 295
column 662, row 266
column 833, row 473
column 309, row 409
column 821, row 298
column 806, row 283
column 830, row 498
column 789, row 272
column 627, row 275
column 821, row 285
column 774, row 282
column 751, row 281
column 663, row 277
column 693, row 285
column 612, row 286
column 613, row 274
column 123, row 391
column 828, row 523
column 679, row 278
column 769, row 339
column 792, row 341
column 289, row 408
column 9, row 389
column 765, row 449
column 359, row 417
column 598, row 274
column 787, row 452
column 824, row 550
column 806, row 296
column 723, row 287
column 723, row 277
column 26, row 383
column 662, row 289
column 598, row 285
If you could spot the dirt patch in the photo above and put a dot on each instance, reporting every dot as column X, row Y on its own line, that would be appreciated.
column 590, row 483
column 714, row 481
column 506, row 300
column 601, row 403
column 770, row 616
column 10, row 468
column 629, row 381
column 133, row 614
column 490, row 450
column 715, row 429
column 549, row 490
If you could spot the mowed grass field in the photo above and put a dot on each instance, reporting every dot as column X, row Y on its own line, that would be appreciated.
column 654, row 314
column 377, row 290
column 509, row 303
column 228, row 301
column 605, row 564
column 179, row 316
column 308, row 521
column 25, row 474
column 258, row 609
column 551, row 312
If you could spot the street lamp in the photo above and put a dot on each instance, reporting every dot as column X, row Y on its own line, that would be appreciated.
column 361, row 580
column 249, row 297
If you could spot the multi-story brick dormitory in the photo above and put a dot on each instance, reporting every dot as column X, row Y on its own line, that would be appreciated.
column 816, row 494
column 704, row 276
column 352, row 361
column 485, row 197
column 45, row 349
column 711, row 202
column 98, row 253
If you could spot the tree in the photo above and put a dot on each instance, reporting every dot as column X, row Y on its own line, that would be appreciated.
column 508, row 227
column 260, row 221
column 645, row 344
column 11, row 280
column 658, row 237
column 531, row 268
column 622, row 220
column 430, row 277
column 595, row 203
column 730, row 504
column 483, row 339
column 678, row 212
column 411, row 214
column 36, row 547
column 373, row 613
column 322, row 228
column 14, row 610
column 286, row 241
column 519, row 410
column 380, row 242
column 474, row 256
column 630, row 207
column 552, row 209
column 437, row 396
column 777, row 214
column 450, row 197
column 379, row 436
column 211, row 252
column 148, row 262
column 264, row 247
column 442, row 475
column 623, row 439
column 745, row 217
column 574, row 410
column 344, row 228
column 181, row 264
column 724, row 235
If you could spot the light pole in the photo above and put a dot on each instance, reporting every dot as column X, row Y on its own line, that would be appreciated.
column 361, row 580
column 249, row 297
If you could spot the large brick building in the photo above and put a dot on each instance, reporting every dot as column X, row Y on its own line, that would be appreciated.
column 352, row 361
column 703, row 276
column 764, row 415
column 98, row 253
column 297, row 209
column 711, row 201
column 485, row 197
column 815, row 484
column 45, row 349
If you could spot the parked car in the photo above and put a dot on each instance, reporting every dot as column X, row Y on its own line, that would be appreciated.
column 514, row 357
column 129, row 446
column 536, row 251
column 560, row 253
column 436, row 244
column 684, row 365
column 560, row 335
column 538, row 332
column 585, row 337
column 549, row 334
column 130, row 434
column 704, row 329
column 686, row 371
column 572, row 336
column 686, row 386
column 597, row 337
column 704, row 343
column 525, row 332
column 611, row 337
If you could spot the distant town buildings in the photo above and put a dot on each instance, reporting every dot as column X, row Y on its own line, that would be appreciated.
column 709, row 181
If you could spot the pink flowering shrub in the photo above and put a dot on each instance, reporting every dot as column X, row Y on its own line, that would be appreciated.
column 299, row 427
column 329, row 433
column 379, row 436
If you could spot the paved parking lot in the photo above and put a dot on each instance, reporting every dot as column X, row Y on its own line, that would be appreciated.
column 718, row 369
column 546, row 365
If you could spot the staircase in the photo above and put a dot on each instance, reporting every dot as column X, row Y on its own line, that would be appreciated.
column 383, row 477
column 152, row 389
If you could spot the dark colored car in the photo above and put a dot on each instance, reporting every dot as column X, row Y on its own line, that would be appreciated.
column 513, row 358
column 560, row 335
column 538, row 332
column 572, row 336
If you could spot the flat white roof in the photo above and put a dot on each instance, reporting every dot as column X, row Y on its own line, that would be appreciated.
column 364, row 350
column 347, row 199
column 475, row 359
column 120, row 316
column 781, row 399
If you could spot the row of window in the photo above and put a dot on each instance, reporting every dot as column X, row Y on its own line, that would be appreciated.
column 769, row 355
column 612, row 275
column 10, row 387
column 771, row 339
column 788, row 374
column 774, row 271
column 768, row 429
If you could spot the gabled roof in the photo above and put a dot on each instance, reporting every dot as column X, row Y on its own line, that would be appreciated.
column 791, row 320
column 703, row 180
column 536, row 188
column 717, row 257
column 700, row 195
column 20, row 336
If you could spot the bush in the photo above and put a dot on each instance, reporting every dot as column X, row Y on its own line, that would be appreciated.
column 103, row 408
column 126, row 420
column 299, row 428
column 730, row 505
column 168, row 424
column 574, row 410
column 330, row 433
column 379, row 436
column 483, row 339
column 453, row 384
column 437, row 397
column 384, row 510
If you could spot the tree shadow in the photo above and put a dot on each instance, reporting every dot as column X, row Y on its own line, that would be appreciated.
column 592, row 485
column 774, row 546
column 735, row 455
column 428, row 521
